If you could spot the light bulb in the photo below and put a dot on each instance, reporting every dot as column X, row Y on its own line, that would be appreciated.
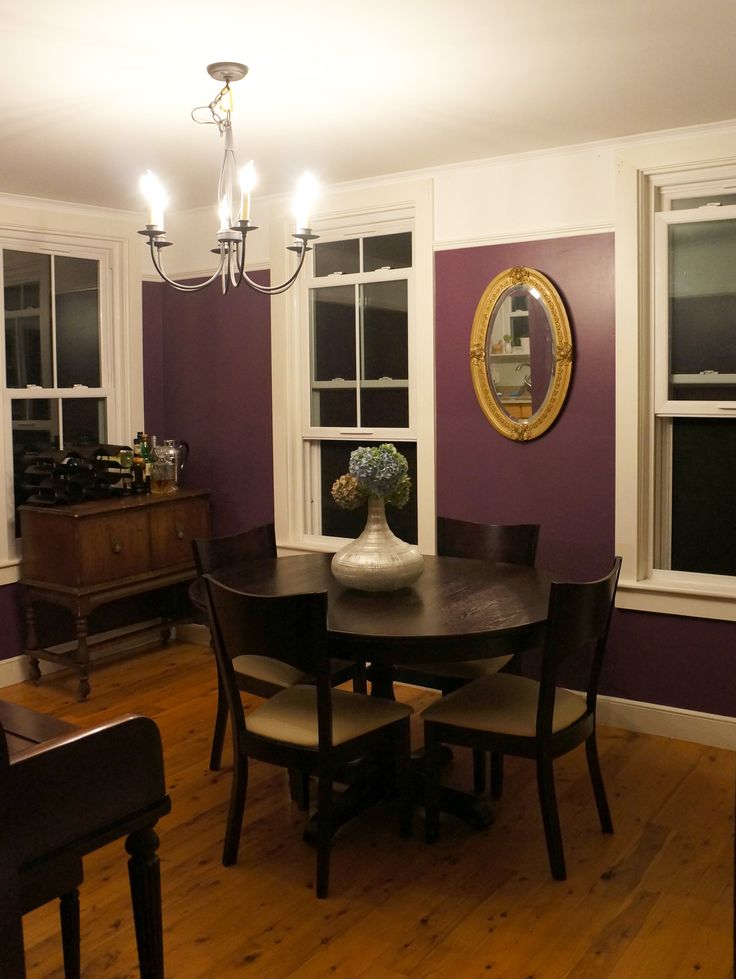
column 306, row 192
column 156, row 197
column 248, row 180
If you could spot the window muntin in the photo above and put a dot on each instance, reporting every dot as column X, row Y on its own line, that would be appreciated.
column 359, row 368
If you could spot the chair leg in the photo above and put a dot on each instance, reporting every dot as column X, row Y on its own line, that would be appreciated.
column 69, row 911
column 594, row 767
column 402, row 773
column 324, row 835
column 479, row 771
column 218, row 735
column 299, row 788
column 496, row 775
column 360, row 680
column 550, row 817
column 145, row 890
column 235, row 813
column 432, row 767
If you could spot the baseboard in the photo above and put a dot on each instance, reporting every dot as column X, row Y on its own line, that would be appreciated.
column 716, row 730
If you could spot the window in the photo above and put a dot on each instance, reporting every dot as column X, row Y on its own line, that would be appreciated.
column 359, row 370
column 65, row 356
column 676, row 384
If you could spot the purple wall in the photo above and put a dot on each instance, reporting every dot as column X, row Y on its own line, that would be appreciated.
column 208, row 382
column 565, row 479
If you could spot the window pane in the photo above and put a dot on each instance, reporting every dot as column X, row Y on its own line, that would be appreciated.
column 702, row 310
column 28, row 343
column 35, row 429
column 333, row 355
column 685, row 203
column 703, row 495
column 337, row 256
column 84, row 421
column 385, row 354
column 387, row 252
column 334, row 462
column 76, row 286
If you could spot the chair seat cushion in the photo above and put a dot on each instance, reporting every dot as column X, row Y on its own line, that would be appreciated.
column 267, row 669
column 505, row 704
column 466, row 670
column 290, row 716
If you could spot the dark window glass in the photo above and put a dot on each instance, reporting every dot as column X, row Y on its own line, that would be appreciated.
column 385, row 330
column 77, row 321
column 704, row 495
column 28, row 340
column 337, row 256
column 335, row 458
column 387, row 252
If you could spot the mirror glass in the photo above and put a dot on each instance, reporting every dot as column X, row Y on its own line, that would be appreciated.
column 521, row 353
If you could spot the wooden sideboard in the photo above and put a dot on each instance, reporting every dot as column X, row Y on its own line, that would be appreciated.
column 84, row 556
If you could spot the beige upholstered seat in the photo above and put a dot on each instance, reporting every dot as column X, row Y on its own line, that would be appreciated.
column 291, row 716
column 505, row 704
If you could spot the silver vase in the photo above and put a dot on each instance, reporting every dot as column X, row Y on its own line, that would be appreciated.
column 377, row 560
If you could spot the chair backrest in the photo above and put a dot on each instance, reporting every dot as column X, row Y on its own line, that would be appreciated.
column 213, row 553
column 578, row 620
column 288, row 628
column 507, row 543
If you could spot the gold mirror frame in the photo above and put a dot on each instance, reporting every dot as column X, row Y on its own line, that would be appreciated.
column 521, row 430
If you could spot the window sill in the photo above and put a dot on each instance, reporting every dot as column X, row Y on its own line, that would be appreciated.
column 670, row 593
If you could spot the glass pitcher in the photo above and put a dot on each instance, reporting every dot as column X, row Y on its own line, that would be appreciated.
column 168, row 461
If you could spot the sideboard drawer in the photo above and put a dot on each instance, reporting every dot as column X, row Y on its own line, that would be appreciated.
column 173, row 527
column 112, row 547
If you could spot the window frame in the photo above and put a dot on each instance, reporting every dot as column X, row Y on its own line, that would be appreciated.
column 647, row 179
column 122, row 393
column 364, row 212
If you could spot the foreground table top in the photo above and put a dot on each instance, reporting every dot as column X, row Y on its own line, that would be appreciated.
column 461, row 608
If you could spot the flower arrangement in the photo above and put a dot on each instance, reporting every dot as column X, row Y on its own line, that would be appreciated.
column 374, row 471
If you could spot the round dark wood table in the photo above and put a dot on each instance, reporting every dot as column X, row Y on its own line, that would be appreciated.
column 459, row 609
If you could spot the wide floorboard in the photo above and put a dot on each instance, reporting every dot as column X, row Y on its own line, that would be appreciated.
column 652, row 901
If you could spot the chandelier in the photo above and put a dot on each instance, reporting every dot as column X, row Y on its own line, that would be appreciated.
column 233, row 198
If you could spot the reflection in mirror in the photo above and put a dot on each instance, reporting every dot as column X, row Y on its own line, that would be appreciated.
column 521, row 353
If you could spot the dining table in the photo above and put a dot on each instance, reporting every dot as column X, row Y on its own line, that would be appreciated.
column 459, row 609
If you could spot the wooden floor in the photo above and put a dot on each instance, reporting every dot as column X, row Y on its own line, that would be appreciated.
column 650, row 902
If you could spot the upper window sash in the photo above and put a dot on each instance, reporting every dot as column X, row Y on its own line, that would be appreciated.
column 664, row 405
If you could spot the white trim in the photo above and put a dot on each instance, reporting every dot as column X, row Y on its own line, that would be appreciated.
column 642, row 172
column 335, row 209
column 716, row 730
column 539, row 235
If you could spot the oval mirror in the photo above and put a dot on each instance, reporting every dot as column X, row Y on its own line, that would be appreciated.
column 521, row 353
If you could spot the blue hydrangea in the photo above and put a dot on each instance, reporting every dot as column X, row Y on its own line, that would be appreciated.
column 378, row 469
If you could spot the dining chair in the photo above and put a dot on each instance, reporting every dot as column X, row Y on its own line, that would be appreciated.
column 503, row 543
column 312, row 728
column 514, row 715
column 255, row 674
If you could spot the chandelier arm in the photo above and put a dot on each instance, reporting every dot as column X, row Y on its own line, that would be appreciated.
column 287, row 284
column 182, row 287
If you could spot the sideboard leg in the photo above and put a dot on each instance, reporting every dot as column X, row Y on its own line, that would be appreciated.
column 34, row 670
column 82, row 658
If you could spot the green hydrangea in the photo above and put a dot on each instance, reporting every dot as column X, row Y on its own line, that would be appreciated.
column 374, row 471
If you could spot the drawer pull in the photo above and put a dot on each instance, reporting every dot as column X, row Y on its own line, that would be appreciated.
column 179, row 530
column 116, row 546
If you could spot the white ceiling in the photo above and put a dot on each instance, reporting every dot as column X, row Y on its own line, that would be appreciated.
column 93, row 92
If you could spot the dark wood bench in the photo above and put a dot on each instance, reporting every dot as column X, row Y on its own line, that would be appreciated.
column 65, row 792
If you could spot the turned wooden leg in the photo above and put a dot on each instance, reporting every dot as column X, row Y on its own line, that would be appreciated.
column 70, row 940
column 145, row 890
column 34, row 670
column 82, row 658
